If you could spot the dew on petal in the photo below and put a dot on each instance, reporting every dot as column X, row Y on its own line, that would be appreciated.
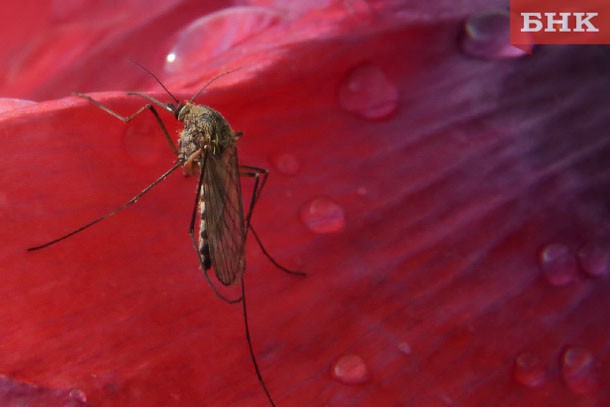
column 487, row 36
column 405, row 348
column 529, row 370
column 578, row 370
column 362, row 191
column 286, row 164
column 558, row 264
column 78, row 395
column 322, row 215
column 594, row 259
column 351, row 369
column 367, row 92
column 213, row 34
column 144, row 142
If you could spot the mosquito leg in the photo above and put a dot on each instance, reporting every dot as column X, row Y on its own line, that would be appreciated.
column 256, row 173
column 204, row 261
column 127, row 119
column 250, row 347
column 133, row 200
column 271, row 259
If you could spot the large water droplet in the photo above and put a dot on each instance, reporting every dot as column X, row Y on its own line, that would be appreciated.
column 529, row 370
column 368, row 92
column 286, row 164
column 215, row 33
column 323, row 215
column 578, row 369
column 594, row 259
column 558, row 264
column 351, row 369
column 487, row 36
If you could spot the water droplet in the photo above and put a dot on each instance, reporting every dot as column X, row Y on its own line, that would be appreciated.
column 529, row 370
column 351, row 369
column 78, row 395
column 144, row 142
column 286, row 164
column 322, row 215
column 578, row 369
column 558, row 264
column 215, row 33
column 362, row 191
column 594, row 259
column 367, row 92
column 487, row 36
column 405, row 348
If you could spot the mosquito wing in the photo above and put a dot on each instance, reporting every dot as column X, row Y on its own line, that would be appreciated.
column 224, row 216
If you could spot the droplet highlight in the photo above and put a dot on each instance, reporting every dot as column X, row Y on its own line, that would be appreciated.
column 350, row 369
column 367, row 92
column 322, row 215
column 558, row 264
column 578, row 370
column 594, row 259
column 529, row 370
column 487, row 36
column 286, row 164
column 211, row 35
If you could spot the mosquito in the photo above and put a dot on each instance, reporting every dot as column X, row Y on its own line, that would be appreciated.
column 208, row 147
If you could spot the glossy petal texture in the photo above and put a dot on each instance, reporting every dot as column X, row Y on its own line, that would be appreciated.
column 450, row 175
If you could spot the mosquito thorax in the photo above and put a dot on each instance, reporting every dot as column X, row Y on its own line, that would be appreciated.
column 204, row 128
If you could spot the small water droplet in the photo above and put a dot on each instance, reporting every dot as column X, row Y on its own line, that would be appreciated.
column 286, row 164
column 594, row 259
column 405, row 348
column 529, row 370
column 578, row 369
column 558, row 264
column 78, row 395
column 367, row 92
column 362, row 191
column 351, row 369
column 323, row 215
column 144, row 142
column 215, row 33
column 487, row 36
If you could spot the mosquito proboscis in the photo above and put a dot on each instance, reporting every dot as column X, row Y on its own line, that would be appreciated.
column 207, row 146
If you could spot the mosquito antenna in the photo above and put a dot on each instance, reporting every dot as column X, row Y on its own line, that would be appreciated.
column 109, row 214
column 158, row 81
column 211, row 81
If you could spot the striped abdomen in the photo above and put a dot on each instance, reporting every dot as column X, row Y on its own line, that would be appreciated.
column 204, row 247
